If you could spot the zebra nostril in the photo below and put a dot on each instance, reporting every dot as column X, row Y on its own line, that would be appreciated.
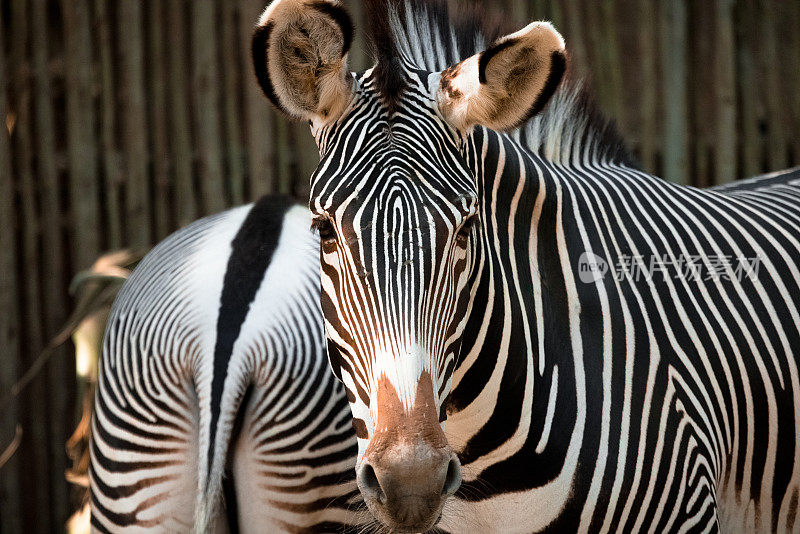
column 368, row 482
column 452, row 480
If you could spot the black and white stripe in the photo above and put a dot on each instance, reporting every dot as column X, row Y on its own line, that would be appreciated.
column 214, row 374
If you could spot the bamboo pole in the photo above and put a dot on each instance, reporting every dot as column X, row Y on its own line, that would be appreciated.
column 231, row 84
column 54, row 304
column 133, row 111
column 157, row 98
column 725, row 93
column 34, row 417
column 259, row 118
column 178, row 111
column 10, row 498
column 205, row 100
column 108, row 146
column 81, row 149
column 676, row 161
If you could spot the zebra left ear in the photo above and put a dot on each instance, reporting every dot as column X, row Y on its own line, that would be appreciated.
column 506, row 84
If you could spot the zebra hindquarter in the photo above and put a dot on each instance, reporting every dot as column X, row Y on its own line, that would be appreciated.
column 144, row 451
column 292, row 461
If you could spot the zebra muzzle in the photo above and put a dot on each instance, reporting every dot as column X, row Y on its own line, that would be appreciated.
column 407, row 494
column 408, row 470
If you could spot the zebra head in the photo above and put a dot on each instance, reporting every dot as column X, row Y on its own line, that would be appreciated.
column 395, row 204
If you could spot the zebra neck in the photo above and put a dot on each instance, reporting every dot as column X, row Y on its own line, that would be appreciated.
column 517, row 294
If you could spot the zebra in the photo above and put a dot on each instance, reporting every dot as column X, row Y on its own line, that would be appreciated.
column 216, row 410
column 470, row 206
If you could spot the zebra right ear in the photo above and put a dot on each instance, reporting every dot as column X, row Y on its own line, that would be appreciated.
column 300, row 57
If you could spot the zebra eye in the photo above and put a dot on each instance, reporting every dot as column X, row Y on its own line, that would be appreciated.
column 463, row 233
column 324, row 227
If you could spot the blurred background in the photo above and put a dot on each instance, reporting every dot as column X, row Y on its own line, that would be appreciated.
column 124, row 120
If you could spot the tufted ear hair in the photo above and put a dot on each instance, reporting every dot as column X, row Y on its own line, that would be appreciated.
column 506, row 84
column 300, row 57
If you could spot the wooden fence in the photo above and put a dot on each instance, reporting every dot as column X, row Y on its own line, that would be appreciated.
column 123, row 120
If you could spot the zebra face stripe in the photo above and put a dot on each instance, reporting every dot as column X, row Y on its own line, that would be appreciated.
column 394, row 203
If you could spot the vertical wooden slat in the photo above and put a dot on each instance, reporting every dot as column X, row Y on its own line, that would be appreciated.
column 539, row 9
column 556, row 14
column 519, row 11
column 10, row 498
column 54, row 304
column 612, row 62
column 701, row 103
column 206, row 100
column 108, row 147
column 358, row 56
column 133, row 112
column 673, row 49
column 793, row 80
column 748, row 82
column 725, row 92
column 305, row 147
column 628, row 48
column 775, row 100
column 596, row 56
column 646, row 85
column 285, row 156
column 575, row 34
column 178, row 112
column 81, row 148
column 157, row 100
column 259, row 118
column 34, row 417
column 233, row 122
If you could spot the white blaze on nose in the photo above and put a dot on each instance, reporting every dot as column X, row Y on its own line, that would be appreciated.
column 403, row 370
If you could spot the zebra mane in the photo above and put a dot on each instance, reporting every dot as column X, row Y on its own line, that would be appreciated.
column 424, row 32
